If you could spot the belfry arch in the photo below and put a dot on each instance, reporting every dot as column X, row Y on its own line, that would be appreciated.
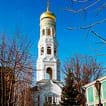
column 49, row 73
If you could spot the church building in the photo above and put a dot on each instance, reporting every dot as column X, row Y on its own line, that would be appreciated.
column 47, row 91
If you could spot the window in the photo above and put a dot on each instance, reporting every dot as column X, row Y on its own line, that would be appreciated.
column 104, row 89
column 42, row 50
column 48, row 32
column 43, row 32
column 90, row 94
column 54, row 51
column 50, row 99
column 54, row 100
column 48, row 50
column 45, row 98
column 49, row 73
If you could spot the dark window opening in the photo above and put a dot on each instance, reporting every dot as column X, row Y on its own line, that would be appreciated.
column 42, row 50
column 55, row 51
column 48, row 32
column 50, row 99
column 49, row 73
column 48, row 50
column 43, row 32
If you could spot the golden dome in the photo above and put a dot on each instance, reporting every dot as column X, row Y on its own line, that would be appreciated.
column 48, row 14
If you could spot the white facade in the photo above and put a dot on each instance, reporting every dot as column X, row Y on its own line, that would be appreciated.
column 47, row 91
column 91, row 93
column 47, row 62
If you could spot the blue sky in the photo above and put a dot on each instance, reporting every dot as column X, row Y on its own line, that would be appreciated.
column 23, row 16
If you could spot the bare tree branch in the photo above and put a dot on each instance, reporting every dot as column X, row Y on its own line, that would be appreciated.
column 15, row 70
column 87, row 26
column 99, row 36
column 82, row 9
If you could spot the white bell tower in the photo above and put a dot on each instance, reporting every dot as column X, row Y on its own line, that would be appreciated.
column 48, row 66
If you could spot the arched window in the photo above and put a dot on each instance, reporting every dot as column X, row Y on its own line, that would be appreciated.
column 42, row 50
column 48, row 32
column 54, row 51
column 43, row 32
column 49, row 73
column 48, row 50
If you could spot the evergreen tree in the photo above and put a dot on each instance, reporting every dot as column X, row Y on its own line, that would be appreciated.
column 69, row 91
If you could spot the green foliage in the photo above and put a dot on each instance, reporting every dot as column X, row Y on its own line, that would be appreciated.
column 69, row 91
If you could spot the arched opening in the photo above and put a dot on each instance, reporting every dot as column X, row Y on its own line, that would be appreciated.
column 49, row 73
column 48, row 32
column 48, row 50
column 42, row 50
column 55, row 51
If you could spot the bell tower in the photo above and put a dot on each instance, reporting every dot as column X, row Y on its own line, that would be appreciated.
column 48, row 66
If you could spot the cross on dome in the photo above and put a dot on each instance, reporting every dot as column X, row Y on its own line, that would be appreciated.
column 48, row 5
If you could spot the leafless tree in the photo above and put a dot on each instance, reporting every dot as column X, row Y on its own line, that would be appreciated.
column 15, row 70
